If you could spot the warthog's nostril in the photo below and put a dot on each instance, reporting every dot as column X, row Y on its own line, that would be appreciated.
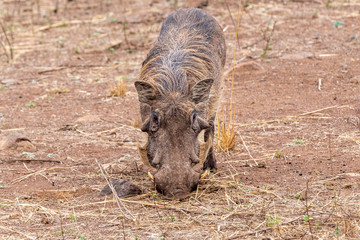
column 178, row 191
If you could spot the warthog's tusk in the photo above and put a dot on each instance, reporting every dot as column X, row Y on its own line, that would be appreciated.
column 151, row 176
column 204, row 175
column 144, row 158
column 204, row 150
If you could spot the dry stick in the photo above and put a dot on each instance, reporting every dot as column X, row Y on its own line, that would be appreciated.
column 51, row 70
column 61, row 227
column 20, row 233
column 307, row 208
column 233, row 72
column 247, row 149
column 123, row 228
column 118, row 201
column 36, row 172
column 188, row 215
column 5, row 51
column 295, row 116
column 231, row 124
column 9, row 43
column 125, row 35
column 329, row 137
column 268, row 38
column 239, row 236
column 34, row 160
column 233, row 22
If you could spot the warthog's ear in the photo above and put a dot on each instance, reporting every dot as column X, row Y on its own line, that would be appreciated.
column 146, row 91
column 201, row 90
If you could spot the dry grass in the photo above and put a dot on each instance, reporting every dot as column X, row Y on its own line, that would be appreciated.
column 222, row 208
column 226, row 139
column 119, row 90
column 226, row 133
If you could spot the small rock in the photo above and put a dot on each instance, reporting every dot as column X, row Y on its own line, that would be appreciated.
column 355, row 79
column 196, row 3
column 10, row 81
column 297, row 56
column 68, row 127
column 17, row 142
column 123, row 189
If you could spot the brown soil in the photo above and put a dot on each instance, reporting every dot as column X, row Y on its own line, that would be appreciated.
column 295, row 171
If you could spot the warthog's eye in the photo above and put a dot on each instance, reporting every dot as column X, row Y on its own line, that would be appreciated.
column 153, row 123
column 193, row 121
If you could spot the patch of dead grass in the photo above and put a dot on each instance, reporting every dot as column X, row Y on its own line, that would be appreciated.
column 119, row 90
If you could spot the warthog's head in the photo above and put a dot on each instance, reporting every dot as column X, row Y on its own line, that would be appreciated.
column 173, row 123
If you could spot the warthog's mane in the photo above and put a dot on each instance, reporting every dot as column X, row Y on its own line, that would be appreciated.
column 181, row 56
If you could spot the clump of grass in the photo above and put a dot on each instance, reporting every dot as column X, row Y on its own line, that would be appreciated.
column 267, row 36
column 298, row 141
column 30, row 105
column 119, row 90
column 226, row 132
column 225, row 126
column 272, row 220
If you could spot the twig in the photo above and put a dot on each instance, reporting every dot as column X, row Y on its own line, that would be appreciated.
column 118, row 201
column 20, row 233
column 35, row 173
column 247, row 149
column 307, row 208
column 239, row 236
column 289, row 117
column 34, row 160
column 189, row 216
column 329, row 146
column 267, row 39
column 61, row 227
column 51, row 70
column 8, row 42
column 233, row 22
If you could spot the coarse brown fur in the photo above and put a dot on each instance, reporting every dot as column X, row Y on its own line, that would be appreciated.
column 179, row 89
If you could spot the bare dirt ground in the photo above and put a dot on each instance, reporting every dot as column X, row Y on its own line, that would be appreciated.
column 295, row 171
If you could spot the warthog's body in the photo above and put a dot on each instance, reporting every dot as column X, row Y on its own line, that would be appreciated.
column 179, row 88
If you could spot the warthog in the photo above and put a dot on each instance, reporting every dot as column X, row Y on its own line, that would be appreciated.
column 178, row 90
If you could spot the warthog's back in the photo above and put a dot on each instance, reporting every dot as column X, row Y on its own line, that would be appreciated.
column 190, row 48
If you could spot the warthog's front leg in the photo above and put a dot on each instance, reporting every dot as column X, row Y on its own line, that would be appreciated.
column 210, row 159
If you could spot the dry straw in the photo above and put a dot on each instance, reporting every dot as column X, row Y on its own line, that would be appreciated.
column 226, row 129
column 119, row 90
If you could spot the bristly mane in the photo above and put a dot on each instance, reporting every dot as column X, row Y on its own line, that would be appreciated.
column 182, row 56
